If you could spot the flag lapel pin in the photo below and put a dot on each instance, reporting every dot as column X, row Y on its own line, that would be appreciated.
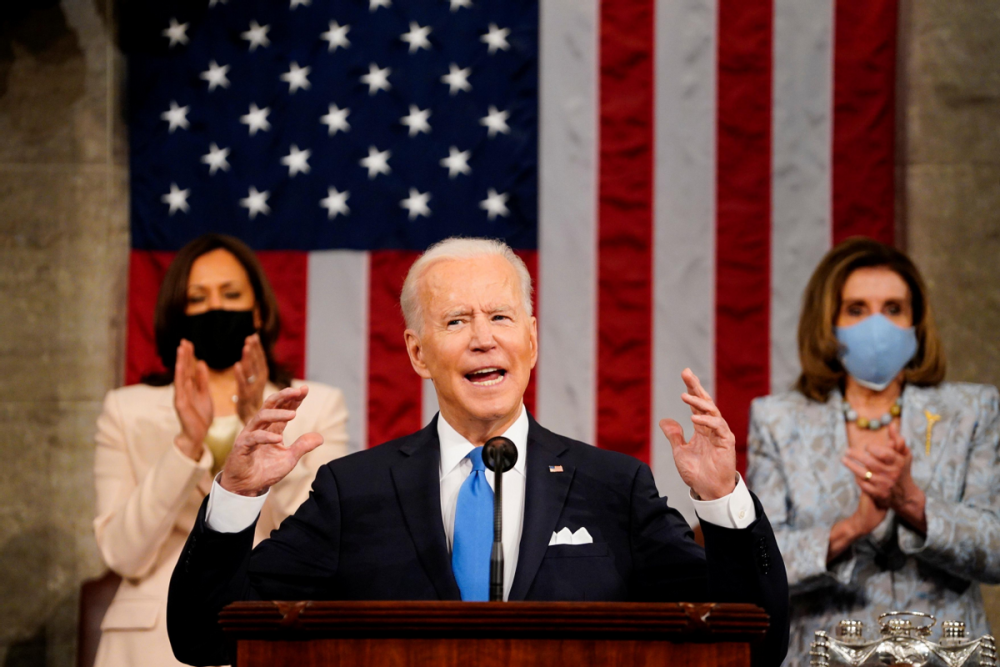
column 555, row 468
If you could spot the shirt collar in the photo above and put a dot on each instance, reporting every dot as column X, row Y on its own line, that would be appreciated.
column 454, row 447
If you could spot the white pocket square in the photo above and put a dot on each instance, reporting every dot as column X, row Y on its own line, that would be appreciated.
column 565, row 536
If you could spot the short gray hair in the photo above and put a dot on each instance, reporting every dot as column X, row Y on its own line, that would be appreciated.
column 458, row 247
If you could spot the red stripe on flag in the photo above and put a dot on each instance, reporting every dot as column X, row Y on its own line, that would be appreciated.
column 394, row 390
column 530, row 259
column 287, row 271
column 864, row 108
column 625, row 228
column 743, row 198
column 146, row 269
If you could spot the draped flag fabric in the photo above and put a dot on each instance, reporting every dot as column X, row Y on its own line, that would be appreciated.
column 670, row 171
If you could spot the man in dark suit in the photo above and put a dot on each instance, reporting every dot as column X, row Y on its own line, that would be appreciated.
column 399, row 520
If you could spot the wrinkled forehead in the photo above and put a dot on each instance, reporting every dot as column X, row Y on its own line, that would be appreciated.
column 878, row 282
column 484, row 283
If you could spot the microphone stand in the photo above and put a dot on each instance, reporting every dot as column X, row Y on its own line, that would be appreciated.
column 496, row 555
column 499, row 455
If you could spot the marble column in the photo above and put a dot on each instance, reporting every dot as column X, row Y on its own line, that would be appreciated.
column 63, row 265
column 949, row 170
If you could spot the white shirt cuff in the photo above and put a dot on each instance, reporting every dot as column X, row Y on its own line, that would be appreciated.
column 733, row 511
column 229, row 512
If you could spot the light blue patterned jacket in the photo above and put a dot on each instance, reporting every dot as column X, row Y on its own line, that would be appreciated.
column 794, row 451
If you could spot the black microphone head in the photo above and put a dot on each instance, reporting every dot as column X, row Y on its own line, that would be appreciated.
column 499, row 454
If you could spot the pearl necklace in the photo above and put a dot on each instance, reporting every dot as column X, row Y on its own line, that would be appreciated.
column 851, row 415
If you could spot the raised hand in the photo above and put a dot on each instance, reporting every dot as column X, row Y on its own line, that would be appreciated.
column 192, row 401
column 251, row 379
column 260, row 458
column 706, row 463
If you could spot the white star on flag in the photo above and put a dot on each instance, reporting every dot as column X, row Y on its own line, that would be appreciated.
column 375, row 4
column 335, row 203
column 256, row 119
column 495, row 204
column 336, row 119
column 256, row 202
column 296, row 77
column 416, row 204
column 496, row 38
column 377, row 162
column 496, row 121
column 457, row 162
column 176, row 198
column 296, row 161
column 456, row 4
column 296, row 3
column 256, row 35
column 216, row 159
column 176, row 116
column 337, row 36
column 376, row 79
column 417, row 37
column 417, row 120
column 176, row 33
column 457, row 78
column 216, row 76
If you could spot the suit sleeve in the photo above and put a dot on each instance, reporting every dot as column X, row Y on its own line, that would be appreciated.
column 330, row 421
column 963, row 536
column 804, row 549
column 737, row 565
column 135, row 517
column 298, row 562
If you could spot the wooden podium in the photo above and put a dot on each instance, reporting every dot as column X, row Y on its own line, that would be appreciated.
column 482, row 634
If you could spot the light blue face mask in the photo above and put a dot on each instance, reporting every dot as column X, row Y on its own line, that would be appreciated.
column 874, row 350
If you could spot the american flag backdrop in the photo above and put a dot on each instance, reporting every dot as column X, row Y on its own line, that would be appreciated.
column 670, row 171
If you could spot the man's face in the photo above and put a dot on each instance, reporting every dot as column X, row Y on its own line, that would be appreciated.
column 478, row 343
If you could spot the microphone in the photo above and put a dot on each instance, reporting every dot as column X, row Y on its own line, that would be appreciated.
column 499, row 455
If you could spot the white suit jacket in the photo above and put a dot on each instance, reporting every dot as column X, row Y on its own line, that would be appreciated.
column 148, row 494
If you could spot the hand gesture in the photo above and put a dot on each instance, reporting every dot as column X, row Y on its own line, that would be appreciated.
column 192, row 401
column 707, row 463
column 251, row 379
column 883, row 471
column 259, row 458
column 867, row 516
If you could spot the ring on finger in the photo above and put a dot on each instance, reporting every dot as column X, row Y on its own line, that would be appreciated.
column 868, row 476
column 251, row 379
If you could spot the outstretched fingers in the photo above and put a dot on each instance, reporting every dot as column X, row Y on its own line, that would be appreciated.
column 674, row 432
column 305, row 444
column 714, row 423
column 269, row 417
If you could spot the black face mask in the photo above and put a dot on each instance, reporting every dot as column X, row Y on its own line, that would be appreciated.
column 218, row 336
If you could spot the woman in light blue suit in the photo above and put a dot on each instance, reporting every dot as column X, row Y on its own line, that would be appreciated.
column 881, row 480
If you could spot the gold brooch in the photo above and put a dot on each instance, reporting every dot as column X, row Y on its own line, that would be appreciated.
column 931, row 420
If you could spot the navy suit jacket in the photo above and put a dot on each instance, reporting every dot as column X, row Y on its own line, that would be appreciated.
column 372, row 530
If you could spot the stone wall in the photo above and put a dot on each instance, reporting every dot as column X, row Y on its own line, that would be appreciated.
column 950, row 176
column 64, row 251
column 63, row 263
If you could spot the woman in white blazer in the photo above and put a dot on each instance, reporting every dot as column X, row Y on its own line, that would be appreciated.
column 160, row 443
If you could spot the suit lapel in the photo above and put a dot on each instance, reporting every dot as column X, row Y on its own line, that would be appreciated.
column 418, row 491
column 545, row 494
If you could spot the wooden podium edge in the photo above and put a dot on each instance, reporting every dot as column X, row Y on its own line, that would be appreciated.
column 674, row 621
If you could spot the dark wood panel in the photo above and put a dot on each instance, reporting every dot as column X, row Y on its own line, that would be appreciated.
column 489, row 653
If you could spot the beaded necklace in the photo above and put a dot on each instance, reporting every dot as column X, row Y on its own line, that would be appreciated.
column 851, row 415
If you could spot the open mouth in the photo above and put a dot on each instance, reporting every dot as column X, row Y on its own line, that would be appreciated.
column 486, row 377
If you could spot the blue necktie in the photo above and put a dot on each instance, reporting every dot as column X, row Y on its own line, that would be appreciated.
column 473, row 539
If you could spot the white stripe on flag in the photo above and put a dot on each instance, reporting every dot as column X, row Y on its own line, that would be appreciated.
column 428, row 402
column 801, row 186
column 337, row 331
column 684, row 232
column 567, row 206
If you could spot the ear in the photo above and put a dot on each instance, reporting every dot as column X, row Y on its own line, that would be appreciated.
column 533, row 341
column 416, row 352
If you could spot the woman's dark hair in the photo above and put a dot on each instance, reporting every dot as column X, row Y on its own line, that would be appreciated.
column 818, row 346
column 173, row 298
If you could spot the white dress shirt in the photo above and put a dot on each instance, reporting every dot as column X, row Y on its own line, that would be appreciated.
column 231, row 513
